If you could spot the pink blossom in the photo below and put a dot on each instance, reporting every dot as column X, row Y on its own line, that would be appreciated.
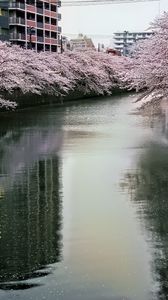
column 25, row 71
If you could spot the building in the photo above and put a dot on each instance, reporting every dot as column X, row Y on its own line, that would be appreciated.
column 4, row 23
column 32, row 24
column 123, row 41
column 65, row 44
column 82, row 42
column 113, row 52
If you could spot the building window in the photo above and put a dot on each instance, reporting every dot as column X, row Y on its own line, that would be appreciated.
column 30, row 2
column 47, row 47
column 46, row 5
column 53, row 7
column 53, row 22
column 40, row 47
column 47, row 34
column 47, row 20
column 31, row 16
column 53, row 48
column 53, row 35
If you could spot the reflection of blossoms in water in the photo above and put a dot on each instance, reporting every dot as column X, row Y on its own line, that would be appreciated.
column 2, row 192
column 148, row 190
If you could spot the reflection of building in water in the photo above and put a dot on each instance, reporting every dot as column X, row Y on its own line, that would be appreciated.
column 30, row 222
column 148, row 188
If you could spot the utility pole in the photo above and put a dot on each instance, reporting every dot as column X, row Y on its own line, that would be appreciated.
column 62, row 50
column 30, row 40
column 30, row 31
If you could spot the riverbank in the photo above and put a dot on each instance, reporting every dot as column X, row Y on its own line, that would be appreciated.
column 149, row 105
column 32, row 100
column 28, row 78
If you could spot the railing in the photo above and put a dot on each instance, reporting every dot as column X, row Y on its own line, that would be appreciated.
column 17, row 5
column 59, row 29
column 31, row 8
column 31, row 23
column 59, row 17
column 19, row 20
column 47, row 26
column 17, row 36
column 119, row 42
column 53, row 41
column 59, row 3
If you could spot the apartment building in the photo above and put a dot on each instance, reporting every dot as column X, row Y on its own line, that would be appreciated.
column 82, row 42
column 4, row 22
column 32, row 24
column 123, row 41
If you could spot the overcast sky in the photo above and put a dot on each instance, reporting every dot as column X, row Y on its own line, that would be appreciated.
column 104, row 20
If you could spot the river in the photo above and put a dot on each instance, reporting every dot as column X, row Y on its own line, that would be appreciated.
column 84, row 203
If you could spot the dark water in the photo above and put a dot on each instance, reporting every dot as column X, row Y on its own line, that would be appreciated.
column 84, row 203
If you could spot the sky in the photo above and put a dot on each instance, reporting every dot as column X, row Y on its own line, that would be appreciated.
column 100, row 22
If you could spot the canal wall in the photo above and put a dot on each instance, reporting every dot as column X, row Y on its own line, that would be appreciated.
column 30, row 100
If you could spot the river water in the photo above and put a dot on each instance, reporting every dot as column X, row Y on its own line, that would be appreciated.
column 84, row 203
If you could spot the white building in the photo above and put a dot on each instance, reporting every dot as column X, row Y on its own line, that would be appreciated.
column 82, row 42
column 123, row 41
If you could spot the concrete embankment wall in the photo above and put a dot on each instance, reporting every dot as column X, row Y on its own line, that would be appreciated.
column 30, row 100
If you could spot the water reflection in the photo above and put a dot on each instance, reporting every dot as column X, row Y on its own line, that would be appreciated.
column 80, row 153
column 30, row 220
column 149, row 190
column 30, row 203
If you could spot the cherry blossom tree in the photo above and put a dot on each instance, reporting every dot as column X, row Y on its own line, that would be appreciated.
column 149, row 64
column 27, row 72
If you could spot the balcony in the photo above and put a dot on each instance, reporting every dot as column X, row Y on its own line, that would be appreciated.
column 53, row 41
column 59, row 29
column 31, row 23
column 47, row 13
column 16, row 5
column 53, row 27
column 59, row 3
column 53, row 14
column 19, row 21
column 47, row 26
column 47, row 41
column 17, row 36
column 59, row 17
column 33, row 38
column 31, row 8
column 119, row 42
